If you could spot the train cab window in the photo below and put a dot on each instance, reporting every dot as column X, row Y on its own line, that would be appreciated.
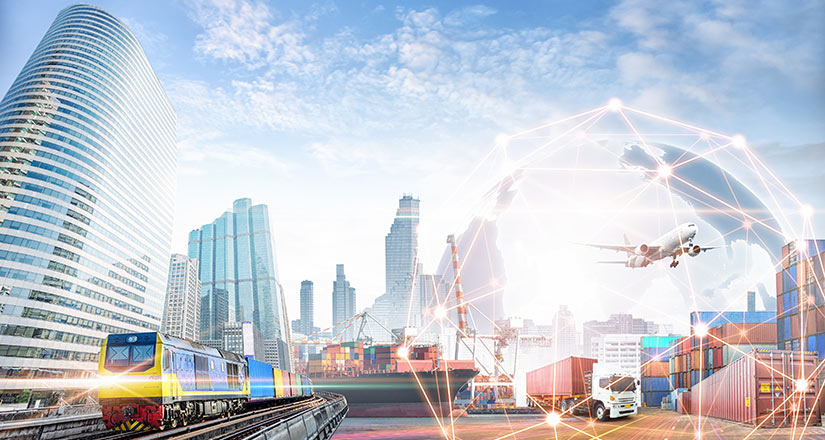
column 131, row 357
column 167, row 360
column 117, row 356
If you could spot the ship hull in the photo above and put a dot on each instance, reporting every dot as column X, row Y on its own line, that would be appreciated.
column 423, row 394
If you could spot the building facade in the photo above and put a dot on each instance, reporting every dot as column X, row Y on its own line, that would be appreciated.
column 619, row 323
column 622, row 350
column 565, row 340
column 182, row 312
column 239, row 276
column 244, row 339
column 800, row 298
column 343, row 306
column 87, row 188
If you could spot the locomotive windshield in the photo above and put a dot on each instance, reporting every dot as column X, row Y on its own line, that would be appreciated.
column 130, row 357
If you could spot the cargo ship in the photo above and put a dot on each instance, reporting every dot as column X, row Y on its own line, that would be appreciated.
column 390, row 380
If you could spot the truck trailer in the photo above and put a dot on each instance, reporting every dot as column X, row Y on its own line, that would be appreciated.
column 583, row 386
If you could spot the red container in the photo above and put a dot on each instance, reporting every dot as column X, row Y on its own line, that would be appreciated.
column 417, row 366
column 683, row 404
column 460, row 365
column 760, row 386
column 562, row 378
column 745, row 334
column 655, row 369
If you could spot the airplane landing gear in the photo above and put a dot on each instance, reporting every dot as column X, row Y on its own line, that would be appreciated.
column 674, row 263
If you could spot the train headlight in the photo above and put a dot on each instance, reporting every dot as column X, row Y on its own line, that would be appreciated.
column 131, row 339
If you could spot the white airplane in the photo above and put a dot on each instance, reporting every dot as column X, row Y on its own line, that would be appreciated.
column 673, row 244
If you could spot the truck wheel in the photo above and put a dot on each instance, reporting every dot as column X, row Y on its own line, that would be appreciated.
column 601, row 413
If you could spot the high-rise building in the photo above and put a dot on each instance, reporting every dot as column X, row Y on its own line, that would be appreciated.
column 307, row 321
column 401, row 248
column 564, row 333
column 619, row 323
column 399, row 306
column 87, row 145
column 182, row 312
column 343, row 305
column 751, row 302
column 239, row 276
column 243, row 338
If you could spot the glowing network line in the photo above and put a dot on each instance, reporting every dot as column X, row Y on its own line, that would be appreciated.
column 582, row 123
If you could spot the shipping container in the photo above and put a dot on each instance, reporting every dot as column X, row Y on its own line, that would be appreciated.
column 261, row 384
column 656, row 384
column 658, row 341
column 562, row 378
column 743, row 334
column 731, row 353
column 654, row 398
column 761, row 387
column 655, row 369
column 683, row 405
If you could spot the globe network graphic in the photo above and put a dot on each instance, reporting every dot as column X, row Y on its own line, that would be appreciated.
column 603, row 175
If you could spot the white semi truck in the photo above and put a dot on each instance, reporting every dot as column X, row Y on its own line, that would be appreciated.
column 583, row 386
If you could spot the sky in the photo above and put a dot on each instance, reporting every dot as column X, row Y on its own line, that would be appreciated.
column 329, row 111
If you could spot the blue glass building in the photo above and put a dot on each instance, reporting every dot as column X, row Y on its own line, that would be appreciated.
column 239, row 276
column 87, row 187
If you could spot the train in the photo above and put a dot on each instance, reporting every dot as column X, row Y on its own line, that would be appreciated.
column 152, row 381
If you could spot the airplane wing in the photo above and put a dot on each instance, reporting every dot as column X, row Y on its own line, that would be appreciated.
column 611, row 247
column 612, row 262
column 687, row 249
column 625, row 248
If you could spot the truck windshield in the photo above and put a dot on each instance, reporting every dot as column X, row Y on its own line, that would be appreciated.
column 622, row 383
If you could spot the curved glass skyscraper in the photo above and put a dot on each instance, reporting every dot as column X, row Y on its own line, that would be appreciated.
column 87, row 186
column 240, row 278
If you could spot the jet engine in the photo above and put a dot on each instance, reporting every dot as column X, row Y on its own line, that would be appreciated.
column 694, row 251
column 642, row 249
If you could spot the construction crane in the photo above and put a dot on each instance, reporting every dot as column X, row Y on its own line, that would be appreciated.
column 461, row 307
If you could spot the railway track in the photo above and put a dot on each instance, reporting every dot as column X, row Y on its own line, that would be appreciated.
column 237, row 427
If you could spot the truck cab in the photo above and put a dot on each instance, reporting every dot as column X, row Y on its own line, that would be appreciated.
column 613, row 395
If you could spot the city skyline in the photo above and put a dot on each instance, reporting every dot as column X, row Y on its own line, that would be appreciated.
column 202, row 71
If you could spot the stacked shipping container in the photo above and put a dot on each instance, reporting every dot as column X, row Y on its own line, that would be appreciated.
column 655, row 371
column 353, row 359
column 769, row 387
column 694, row 359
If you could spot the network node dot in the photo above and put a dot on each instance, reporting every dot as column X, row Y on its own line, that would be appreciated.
column 738, row 141
column 553, row 419
column 614, row 105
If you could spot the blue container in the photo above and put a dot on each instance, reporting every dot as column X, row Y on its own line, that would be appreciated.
column 654, row 398
column 261, row 385
column 656, row 384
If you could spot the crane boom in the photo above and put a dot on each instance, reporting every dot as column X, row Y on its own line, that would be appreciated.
column 461, row 308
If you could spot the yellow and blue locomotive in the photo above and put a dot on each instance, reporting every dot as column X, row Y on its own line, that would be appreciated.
column 155, row 381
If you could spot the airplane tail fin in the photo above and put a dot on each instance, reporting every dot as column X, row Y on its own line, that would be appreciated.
column 627, row 242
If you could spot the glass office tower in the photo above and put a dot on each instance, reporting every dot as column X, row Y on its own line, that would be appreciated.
column 87, row 187
column 239, row 276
